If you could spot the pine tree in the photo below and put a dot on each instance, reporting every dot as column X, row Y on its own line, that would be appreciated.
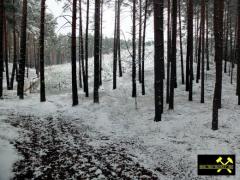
column 73, row 55
column 22, row 61
column 96, row 50
column 238, row 54
column 41, row 45
column 158, row 58
column 86, row 51
column 173, row 55
column 143, row 48
column 6, row 46
column 14, row 69
column 115, row 47
column 134, row 87
column 180, row 37
column 203, row 48
column 140, row 43
column 81, row 46
column 189, row 60
column 218, row 33
column 1, row 47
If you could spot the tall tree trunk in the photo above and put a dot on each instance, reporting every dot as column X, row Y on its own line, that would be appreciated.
column 101, row 44
column 96, row 50
column 218, row 33
column 189, row 71
column 86, row 52
column 119, row 39
column 226, row 37
column 168, row 51
column 73, row 55
column 115, row 48
column 14, row 69
column 6, row 50
column 180, row 37
column 1, row 47
column 143, row 48
column 238, row 54
column 199, row 54
column 140, row 43
column 203, row 48
column 41, row 46
column 134, row 87
column 81, row 45
column 22, row 50
column 173, row 55
column 207, row 31
column 159, row 57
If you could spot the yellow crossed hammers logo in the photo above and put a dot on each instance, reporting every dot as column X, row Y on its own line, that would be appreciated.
column 224, row 165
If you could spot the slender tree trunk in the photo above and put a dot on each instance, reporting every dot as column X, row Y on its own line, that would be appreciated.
column 143, row 48
column 159, row 57
column 22, row 50
column 238, row 54
column 189, row 74
column 199, row 55
column 73, row 55
column 96, row 50
column 173, row 54
column 1, row 47
column 140, row 43
column 168, row 52
column 101, row 44
column 180, row 37
column 81, row 47
column 119, row 39
column 218, row 33
column 226, row 37
column 14, row 69
column 134, row 87
column 115, row 48
column 207, row 31
column 6, row 50
column 203, row 48
column 86, row 52
column 41, row 45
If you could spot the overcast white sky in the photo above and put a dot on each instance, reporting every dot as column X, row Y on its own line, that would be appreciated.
column 108, row 24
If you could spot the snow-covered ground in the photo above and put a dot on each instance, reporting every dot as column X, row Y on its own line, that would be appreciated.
column 166, row 149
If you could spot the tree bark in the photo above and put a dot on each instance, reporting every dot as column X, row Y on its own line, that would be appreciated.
column 73, row 55
column 14, row 69
column 134, row 87
column 41, row 45
column 143, row 48
column 140, row 43
column 96, row 50
column 238, row 54
column 189, row 69
column 173, row 55
column 81, row 45
column 1, row 47
column 22, row 50
column 203, row 48
column 218, row 33
column 159, row 57
column 180, row 37
column 86, row 52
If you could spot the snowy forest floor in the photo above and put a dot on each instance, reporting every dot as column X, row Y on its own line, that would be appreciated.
column 114, row 139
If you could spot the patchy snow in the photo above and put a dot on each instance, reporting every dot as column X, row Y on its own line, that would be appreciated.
column 8, row 155
column 168, row 149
